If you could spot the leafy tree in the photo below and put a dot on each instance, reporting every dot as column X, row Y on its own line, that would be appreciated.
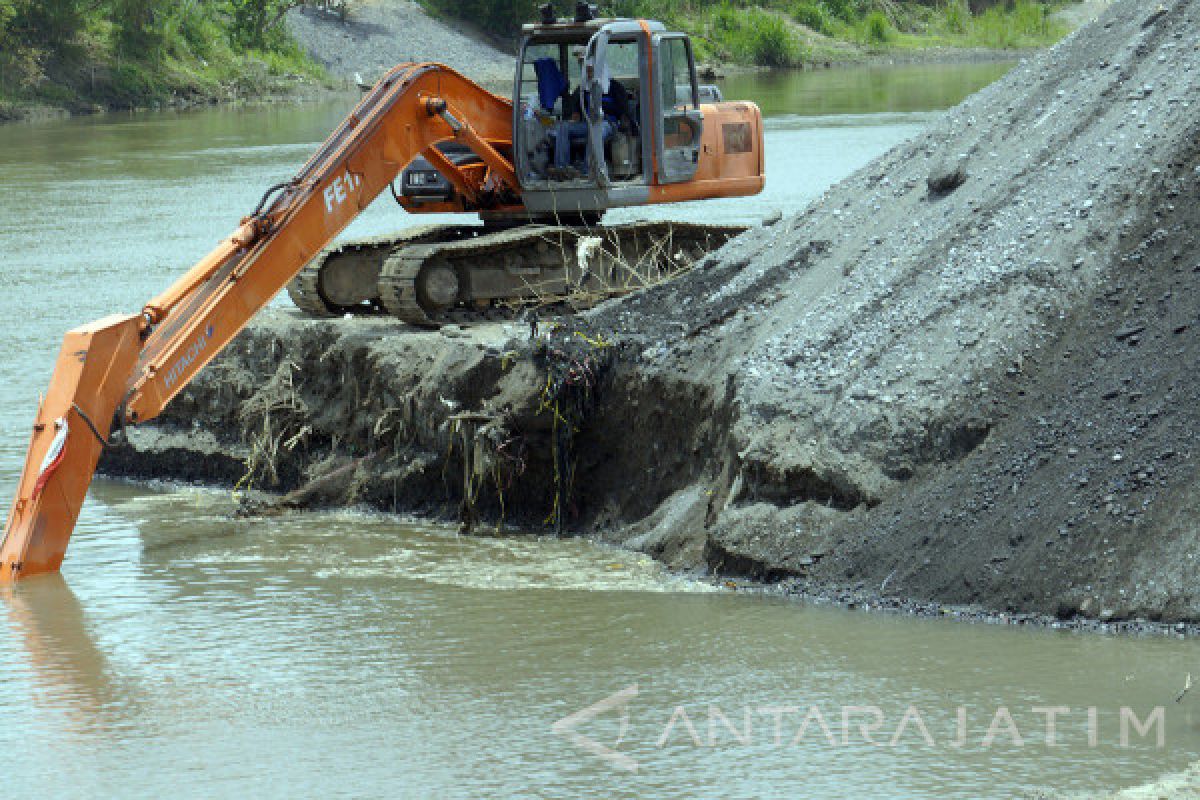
column 8, row 11
column 138, row 24
column 10, row 44
column 52, row 23
column 252, row 22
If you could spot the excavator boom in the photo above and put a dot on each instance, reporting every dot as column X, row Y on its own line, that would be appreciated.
column 127, row 368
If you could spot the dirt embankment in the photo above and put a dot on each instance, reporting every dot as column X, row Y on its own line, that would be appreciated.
column 379, row 34
column 979, row 395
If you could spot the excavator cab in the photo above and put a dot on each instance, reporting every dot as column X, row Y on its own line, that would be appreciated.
column 604, row 110
column 582, row 103
column 605, row 113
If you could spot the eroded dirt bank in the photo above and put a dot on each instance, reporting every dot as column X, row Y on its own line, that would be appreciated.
column 985, row 394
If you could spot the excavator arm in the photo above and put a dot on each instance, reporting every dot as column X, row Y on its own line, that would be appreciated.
column 125, row 369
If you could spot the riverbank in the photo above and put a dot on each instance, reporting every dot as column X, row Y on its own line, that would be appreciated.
column 322, row 52
column 800, row 33
column 975, row 398
column 285, row 93
column 813, row 33
column 107, row 57
column 380, row 33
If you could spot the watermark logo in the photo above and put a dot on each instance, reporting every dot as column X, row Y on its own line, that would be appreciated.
column 780, row 726
column 618, row 701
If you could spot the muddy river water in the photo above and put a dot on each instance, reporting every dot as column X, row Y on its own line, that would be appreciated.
column 184, row 653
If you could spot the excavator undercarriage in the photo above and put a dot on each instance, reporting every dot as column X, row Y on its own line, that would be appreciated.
column 438, row 274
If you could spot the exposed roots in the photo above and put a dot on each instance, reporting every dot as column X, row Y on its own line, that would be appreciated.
column 607, row 267
column 273, row 418
column 574, row 361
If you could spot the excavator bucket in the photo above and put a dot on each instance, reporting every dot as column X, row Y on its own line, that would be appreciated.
column 72, row 425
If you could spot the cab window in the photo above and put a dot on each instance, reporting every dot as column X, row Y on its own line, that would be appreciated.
column 678, row 91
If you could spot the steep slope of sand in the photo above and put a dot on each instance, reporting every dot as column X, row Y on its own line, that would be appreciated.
column 983, row 395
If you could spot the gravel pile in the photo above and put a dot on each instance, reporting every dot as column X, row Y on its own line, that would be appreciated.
column 379, row 34
column 966, row 373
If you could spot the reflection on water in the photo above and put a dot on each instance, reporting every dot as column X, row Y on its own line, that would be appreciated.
column 67, row 672
column 190, row 654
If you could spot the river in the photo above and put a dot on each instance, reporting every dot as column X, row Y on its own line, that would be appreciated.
column 186, row 653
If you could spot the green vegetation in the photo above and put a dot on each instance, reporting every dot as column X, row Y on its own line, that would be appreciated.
column 878, row 28
column 83, row 54
column 784, row 32
column 754, row 36
column 791, row 32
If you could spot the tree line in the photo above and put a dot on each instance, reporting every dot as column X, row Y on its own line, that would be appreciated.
column 46, row 45
column 138, row 24
column 505, row 17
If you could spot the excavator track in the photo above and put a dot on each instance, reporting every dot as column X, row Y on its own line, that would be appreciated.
column 436, row 284
column 303, row 290
column 397, row 289
column 342, row 278
column 493, row 275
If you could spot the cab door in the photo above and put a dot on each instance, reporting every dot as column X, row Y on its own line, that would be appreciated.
column 680, row 124
column 594, row 70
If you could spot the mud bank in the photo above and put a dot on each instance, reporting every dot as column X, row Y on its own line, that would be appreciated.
column 965, row 375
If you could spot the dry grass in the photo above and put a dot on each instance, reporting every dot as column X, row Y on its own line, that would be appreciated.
column 274, row 419
column 602, row 269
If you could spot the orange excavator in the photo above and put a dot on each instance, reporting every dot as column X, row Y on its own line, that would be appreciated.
column 524, row 167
